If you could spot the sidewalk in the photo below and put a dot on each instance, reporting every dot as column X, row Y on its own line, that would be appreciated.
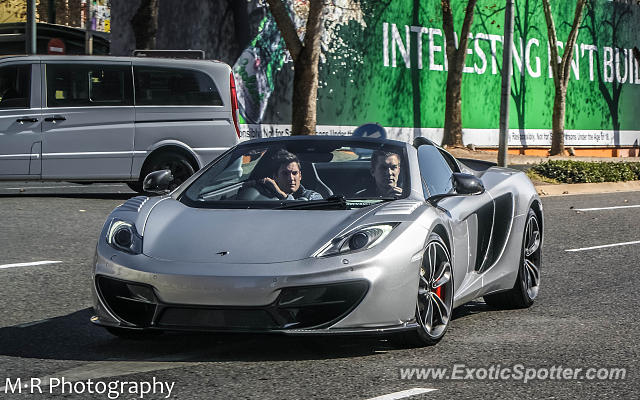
column 517, row 159
column 522, row 162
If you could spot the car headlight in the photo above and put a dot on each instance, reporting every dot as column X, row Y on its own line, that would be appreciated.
column 361, row 238
column 122, row 235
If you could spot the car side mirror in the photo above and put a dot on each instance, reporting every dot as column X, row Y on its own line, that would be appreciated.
column 467, row 184
column 158, row 182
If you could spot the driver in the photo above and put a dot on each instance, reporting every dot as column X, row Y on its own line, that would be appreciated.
column 385, row 170
column 285, row 181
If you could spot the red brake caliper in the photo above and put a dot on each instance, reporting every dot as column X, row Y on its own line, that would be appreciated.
column 438, row 291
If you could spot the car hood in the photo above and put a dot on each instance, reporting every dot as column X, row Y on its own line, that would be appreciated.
column 176, row 232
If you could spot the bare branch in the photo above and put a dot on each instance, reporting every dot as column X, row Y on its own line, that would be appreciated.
column 553, row 40
column 571, row 41
column 466, row 26
column 286, row 27
column 313, row 31
column 447, row 27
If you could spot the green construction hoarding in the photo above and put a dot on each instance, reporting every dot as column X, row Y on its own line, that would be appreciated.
column 384, row 61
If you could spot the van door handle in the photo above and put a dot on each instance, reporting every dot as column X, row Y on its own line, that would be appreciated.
column 55, row 118
column 26, row 119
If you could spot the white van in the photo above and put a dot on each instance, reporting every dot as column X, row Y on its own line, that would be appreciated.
column 89, row 119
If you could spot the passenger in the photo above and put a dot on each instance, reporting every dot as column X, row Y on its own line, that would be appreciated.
column 285, row 181
column 385, row 170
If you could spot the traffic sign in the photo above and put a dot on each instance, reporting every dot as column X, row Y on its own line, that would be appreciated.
column 56, row 46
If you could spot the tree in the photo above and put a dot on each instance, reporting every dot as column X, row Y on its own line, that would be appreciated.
column 305, row 55
column 560, row 68
column 456, row 56
column 145, row 24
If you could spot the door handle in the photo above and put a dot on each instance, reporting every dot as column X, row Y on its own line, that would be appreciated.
column 26, row 119
column 55, row 118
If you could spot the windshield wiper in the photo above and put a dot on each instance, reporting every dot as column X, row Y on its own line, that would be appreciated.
column 337, row 202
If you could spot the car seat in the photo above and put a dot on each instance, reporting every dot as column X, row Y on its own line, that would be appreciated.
column 311, row 180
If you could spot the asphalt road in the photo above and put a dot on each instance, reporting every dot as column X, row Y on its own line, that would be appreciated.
column 585, row 317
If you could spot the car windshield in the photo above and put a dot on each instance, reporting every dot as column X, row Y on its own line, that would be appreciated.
column 281, row 174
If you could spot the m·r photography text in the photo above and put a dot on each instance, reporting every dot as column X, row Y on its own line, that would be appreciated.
column 110, row 389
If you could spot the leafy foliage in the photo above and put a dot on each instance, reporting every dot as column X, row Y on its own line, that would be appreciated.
column 585, row 172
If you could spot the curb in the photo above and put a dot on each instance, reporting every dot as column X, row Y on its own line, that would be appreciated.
column 587, row 188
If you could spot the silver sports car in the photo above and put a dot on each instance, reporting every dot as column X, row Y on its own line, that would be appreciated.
column 320, row 235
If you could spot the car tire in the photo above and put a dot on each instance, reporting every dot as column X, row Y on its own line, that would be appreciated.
column 525, row 290
column 180, row 167
column 434, row 303
column 133, row 334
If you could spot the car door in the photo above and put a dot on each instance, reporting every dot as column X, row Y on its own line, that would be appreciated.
column 470, row 218
column 20, row 118
column 88, row 126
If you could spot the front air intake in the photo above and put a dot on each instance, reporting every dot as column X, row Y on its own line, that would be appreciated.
column 132, row 303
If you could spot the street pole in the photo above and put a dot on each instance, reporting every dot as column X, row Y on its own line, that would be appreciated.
column 507, row 68
column 30, row 28
column 51, row 12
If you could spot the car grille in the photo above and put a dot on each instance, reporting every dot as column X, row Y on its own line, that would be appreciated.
column 207, row 318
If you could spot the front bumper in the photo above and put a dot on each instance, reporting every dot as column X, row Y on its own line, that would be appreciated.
column 311, row 307
column 367, row 292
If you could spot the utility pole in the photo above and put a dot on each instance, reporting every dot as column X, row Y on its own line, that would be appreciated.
column 30, row 28
column 505, row 93
column 51, row 12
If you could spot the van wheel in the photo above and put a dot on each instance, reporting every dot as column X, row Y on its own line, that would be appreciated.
column 180, row 167
column 135, row 186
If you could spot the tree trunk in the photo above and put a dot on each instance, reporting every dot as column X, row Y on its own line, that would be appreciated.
column 305, row 93
column 557, row 133
column 145, row 24
column 456, row 56
column 240, row 25
column 561, row 72
column 453, row 109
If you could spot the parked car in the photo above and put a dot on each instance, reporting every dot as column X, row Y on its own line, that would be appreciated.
column 396, row 238
column 89, row 119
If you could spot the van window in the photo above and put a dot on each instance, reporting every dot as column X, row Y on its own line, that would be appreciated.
column 157, row 86
column 15, row 86
column 84, row 85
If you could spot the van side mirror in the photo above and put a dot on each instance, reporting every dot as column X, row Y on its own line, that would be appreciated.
column 158, row 182
column 467, row 184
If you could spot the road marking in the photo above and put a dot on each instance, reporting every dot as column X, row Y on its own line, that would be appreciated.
column 57, row 187
column 28, row 264
column 403, row 394
column 605, row 245
column 606, row 208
